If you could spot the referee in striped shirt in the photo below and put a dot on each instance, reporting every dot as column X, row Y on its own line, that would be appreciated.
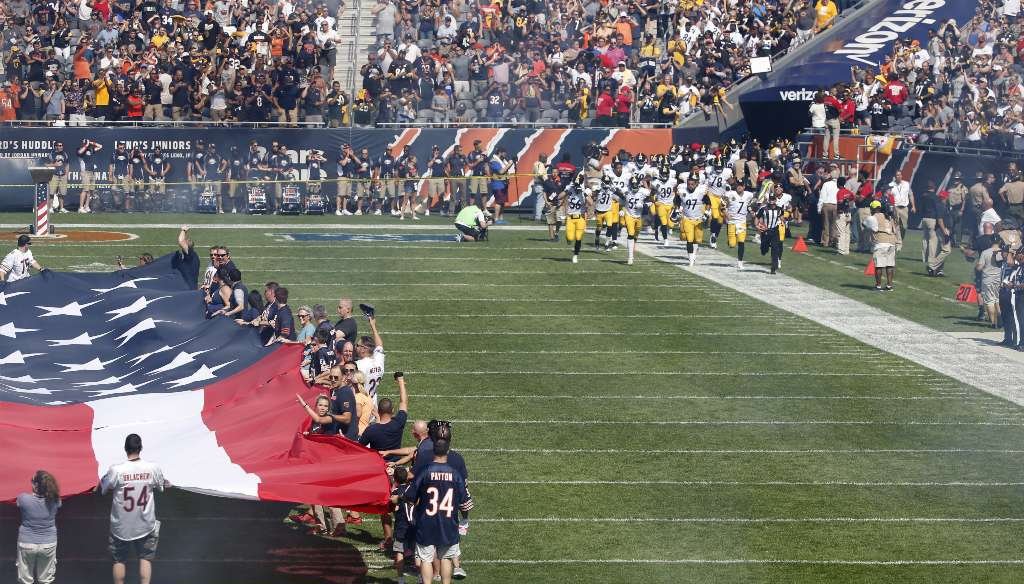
column 769, row 218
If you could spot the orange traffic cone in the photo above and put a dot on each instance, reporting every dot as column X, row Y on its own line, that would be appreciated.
column 870, row 270
column 800, row 246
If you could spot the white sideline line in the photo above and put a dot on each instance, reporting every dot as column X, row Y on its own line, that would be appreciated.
column 811, row 451
column 640, row 483
column 938, row 351
column 532, row 300
column 750, row 561
column 696, row 397
column 404, row 258
column 494, row 285
column 885, row 373
column 755, row 520
column 613, row 333
column 341, row 226
column 778, row 317
column 741, row 422
column 633, row 352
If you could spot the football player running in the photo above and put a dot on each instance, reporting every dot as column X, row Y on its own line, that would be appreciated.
column 664, row 187
column 577, row 201
column 634, row 200
column 606, row 212
column 619, row 177
column 692, row 205
column 718, row 185
column 737, row 209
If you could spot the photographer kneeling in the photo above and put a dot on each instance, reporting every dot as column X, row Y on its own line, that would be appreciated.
column 472, row 224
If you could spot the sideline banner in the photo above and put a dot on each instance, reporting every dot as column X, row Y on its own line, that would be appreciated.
column 21, row 148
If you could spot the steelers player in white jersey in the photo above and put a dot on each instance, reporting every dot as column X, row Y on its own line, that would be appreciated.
column 606, row 212
column 664, row 187
column 634, row 200
column 575, row 204
column 692, row 205
column 718, row 185
column 737, row 209
column 619, row 177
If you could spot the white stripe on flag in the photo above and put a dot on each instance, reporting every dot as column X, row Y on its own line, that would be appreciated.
column 173, row 436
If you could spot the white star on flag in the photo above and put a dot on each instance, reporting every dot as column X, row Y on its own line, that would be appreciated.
column 143, row 325
column 140, row 358
column 204, row 373
column 73, row 309
column 37, row 391
column 126, row 388
column 82, row 339
column 10, row 331
column 17, row 358
column 140, row 304
column 108, row 381
column 183, row 358
column 128, row 284
column 94, row 365
column 28, row 379
column 4, row 297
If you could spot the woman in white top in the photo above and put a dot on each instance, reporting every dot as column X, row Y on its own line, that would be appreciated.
column 817, row 111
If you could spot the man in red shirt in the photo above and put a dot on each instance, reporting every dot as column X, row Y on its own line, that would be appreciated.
column 845, row 204
column 623, row 105
column 605, row 106
column 833, row 111
column 896, row 93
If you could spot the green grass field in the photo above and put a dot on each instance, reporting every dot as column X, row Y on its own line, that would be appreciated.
column 640, row 424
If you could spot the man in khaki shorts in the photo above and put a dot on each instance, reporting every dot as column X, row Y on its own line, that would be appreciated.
column 884, row 233
column 59, row 183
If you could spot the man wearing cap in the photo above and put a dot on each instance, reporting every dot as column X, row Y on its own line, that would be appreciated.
column 1012, row 194
column 15, row 265
column 957, row 198
column 884, row 237
column 59, row 183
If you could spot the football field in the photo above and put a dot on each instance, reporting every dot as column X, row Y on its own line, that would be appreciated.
column 643, row 424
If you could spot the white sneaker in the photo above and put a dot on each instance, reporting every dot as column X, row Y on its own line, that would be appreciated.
column 395, row 213
column 739, row 265
column 233, row 211
column 426, row 212
column 359, row 212
column 575, row 259
column 664, row 243
column 415, row 218
column 377, row 212
column 459, row 573
column 221, row 212
column 629, row 262
column 337, row 212
column 693, row 260
column 347, row 213
column 714, row 245
column 780, row 263
column 64, row 210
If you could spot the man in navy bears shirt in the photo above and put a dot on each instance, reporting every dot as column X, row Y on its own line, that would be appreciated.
column 438, row 494
column 284, row 323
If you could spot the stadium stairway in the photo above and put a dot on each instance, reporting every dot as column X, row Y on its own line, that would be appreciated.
column 357, row 33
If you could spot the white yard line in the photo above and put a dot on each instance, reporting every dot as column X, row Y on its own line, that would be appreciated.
column 614, row 333
column 878, row 373
column 756, row 520
column 555, row 423
column 634, row 352
column 340, row 226
column 752, row 451
column 944, row 353
column 742, row 561
column 643, row 483
column 699, row 397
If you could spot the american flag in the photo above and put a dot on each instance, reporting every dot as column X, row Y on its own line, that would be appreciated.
column 42, row 209
column 86, row 359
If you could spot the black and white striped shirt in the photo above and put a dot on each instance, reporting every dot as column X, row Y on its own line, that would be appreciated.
column 771, row 215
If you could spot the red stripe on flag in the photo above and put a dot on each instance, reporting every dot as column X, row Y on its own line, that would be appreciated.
column 57, row 439
column 256, row 418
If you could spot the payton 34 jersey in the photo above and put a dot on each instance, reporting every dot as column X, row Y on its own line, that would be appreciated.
column 737, row 206
column 691, row 203
column 438, row 493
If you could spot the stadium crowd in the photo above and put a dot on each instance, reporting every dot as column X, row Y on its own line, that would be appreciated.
column 591, row 63
column 583, row 63
column 961, row 86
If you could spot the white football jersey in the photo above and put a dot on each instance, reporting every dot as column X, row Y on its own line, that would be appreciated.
column 17, row 263
column 784, row 201
column 664, row 190
column 619, row 181
column 737, row 206
column 133, row 509
column 605, row 197
column 718, row 183
column 635, row 201
column 373, row 368
column 691, row 203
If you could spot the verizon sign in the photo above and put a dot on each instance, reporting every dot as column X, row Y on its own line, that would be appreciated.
column 865, row 47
